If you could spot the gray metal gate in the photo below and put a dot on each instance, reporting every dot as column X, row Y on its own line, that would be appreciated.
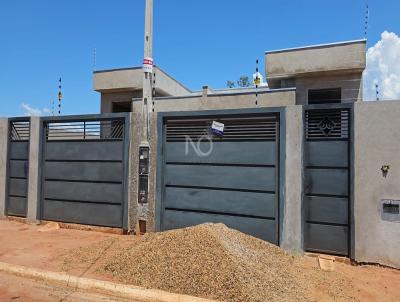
column 18, row 164
column 85, row 170
column 231, row 178
column 327, row 180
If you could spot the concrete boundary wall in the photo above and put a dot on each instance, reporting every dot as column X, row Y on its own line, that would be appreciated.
column 292, row 233
column 34, row 170
column 375, row 234
column 376, row 144
column 3, row 165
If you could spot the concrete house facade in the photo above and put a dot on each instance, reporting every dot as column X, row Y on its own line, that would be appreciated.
column 296, row 163
column 330, row 73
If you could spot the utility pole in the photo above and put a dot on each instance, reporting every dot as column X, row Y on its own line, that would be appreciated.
column 144, row 148
column 147, row 70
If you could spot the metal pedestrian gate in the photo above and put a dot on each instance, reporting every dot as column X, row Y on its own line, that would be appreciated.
column 327, row 180
column 18, row 166
column 85, row 170
column 230, row 178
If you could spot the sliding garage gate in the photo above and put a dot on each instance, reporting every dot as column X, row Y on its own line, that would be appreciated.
column 327, row 181
column 230, row 178
column 84, row 171
column 18, row 164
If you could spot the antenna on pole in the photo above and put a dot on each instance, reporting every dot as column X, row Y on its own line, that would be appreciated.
column 60, row 96
column 366, row 21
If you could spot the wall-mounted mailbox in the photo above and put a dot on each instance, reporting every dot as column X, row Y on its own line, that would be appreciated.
column 390, row 210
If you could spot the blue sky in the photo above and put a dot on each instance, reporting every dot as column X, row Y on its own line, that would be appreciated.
column 198, row 42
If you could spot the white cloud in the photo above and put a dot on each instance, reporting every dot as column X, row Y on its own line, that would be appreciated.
column 383, row 68
column 30, row 111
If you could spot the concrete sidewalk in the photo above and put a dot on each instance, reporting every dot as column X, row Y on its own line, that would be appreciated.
column 19, row 289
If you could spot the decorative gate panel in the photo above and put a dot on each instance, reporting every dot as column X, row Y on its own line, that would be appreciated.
column 327, row 180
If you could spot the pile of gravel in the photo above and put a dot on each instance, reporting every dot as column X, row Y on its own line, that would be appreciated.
column 210, row 261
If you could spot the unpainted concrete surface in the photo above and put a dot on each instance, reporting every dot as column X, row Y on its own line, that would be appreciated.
column 376, row 143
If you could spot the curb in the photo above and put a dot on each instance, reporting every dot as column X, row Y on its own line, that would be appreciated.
column 120, row 290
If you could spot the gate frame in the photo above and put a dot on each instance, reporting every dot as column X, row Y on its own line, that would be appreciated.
column 80, row 118
column 350, row 107
column 163, row 116
column 7, row 201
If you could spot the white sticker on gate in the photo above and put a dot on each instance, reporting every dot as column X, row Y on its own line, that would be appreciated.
column 217, row 128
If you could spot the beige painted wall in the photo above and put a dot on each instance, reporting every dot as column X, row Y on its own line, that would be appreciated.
column 350, row 84
column 376, row 143
column 107, row 99
column 129, row 79
column 340, row 56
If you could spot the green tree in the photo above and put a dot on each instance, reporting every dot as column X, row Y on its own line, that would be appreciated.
column 230, row 84
column 244, row 81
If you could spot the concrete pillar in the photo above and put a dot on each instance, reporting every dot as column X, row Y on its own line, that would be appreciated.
column 33, row 176
column 292, row 232
column 3, row 164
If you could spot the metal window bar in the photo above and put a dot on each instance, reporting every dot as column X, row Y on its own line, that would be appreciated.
column 19, row 131
column 111, row 129
column 251, row 129
column 327, row 124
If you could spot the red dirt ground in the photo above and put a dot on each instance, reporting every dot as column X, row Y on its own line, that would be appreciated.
column 23, row 244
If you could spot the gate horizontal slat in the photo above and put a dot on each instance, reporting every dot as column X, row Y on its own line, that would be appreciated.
column 90, row 192
column 18, row 168
column 84, row 171
column 17, row 187
column 242, row 178
column 327, row 209
column 19, row 150
column 84, row 150
column 83, row 213
column 16, row 206
column 327, row 238
column 260, row 153
column 327, row 182
column 326, row 153
column 240, row 203
column 260, row 228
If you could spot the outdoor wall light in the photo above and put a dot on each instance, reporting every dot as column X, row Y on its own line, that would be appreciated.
column 385, row 170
